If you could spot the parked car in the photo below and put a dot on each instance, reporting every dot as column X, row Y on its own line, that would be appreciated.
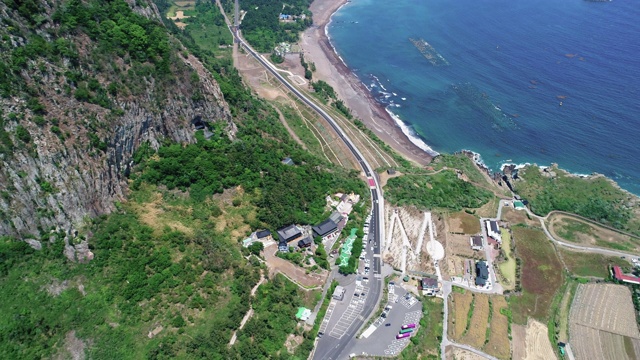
column 387, row 324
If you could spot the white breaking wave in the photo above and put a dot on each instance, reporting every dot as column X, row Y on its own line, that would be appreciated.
column 415, row 139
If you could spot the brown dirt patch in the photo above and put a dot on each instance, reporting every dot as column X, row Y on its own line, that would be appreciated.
column 490, row 209
column 498, row 344
column 459, row 245
column 517, row 217
column 519, row 336
column 478, row 325
column 455, row 353
column 292, row 342
column 463, row 223
column 459, row 305
column 153, row 214
column 292, row 271
column 537, row 345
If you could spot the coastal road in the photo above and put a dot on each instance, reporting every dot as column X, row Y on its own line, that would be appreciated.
column 328, row 347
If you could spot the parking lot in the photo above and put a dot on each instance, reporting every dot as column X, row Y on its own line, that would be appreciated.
column 380, row 340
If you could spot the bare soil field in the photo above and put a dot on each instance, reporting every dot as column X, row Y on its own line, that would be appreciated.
column 455, row 265
column 498, row 344
column 292, row 271
column 463, row 223
column 456, row 353
column 582, row 232
column 460, row 303
column 459, row 245
column 479, row 320
column 531, row 342
column 517, row 217
column 599, row 330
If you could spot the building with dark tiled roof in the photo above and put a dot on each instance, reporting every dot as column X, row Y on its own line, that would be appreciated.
column 305, row 243
column 263, row 235
column 482, row 273
column 325, row 228
column 289, row 233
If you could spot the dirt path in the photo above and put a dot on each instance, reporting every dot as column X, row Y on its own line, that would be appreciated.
column 291, row 133
column 249, row 313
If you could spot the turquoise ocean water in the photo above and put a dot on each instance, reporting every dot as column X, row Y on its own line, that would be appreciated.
column 541, row 81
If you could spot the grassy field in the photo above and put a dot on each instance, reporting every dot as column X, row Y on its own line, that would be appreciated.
column 541, row 275
column 585, row 264
column 463, row 223
column 582, row 232
column 508, row 268
column 208, row 30
column 426, row 343
column 490, row 209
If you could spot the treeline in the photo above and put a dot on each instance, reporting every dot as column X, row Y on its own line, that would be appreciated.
column 261, row 25
column 443, row 190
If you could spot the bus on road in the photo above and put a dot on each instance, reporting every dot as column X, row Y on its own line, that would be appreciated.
column 402, row 336
column 408, row 326
column 405, row 331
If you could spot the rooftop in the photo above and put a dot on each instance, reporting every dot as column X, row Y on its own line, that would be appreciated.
column 617, row 273
column 428, row 283
column 325, row 227
column 289, row 233
column 476, row 241
column 263, row 234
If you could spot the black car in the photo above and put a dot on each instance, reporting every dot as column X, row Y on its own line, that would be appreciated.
column 387, row 324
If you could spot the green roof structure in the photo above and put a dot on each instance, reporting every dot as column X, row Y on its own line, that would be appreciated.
column 345, row 252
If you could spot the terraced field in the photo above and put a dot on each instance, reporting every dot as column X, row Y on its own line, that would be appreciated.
column 603, row 324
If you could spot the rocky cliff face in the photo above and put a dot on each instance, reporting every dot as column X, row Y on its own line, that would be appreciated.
column 73, row 112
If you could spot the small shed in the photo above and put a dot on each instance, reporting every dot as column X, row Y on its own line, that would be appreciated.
column 338, row 293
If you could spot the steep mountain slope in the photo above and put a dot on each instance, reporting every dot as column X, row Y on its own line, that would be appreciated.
column 82, row 85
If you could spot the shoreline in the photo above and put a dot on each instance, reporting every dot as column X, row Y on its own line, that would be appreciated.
column 330, row 67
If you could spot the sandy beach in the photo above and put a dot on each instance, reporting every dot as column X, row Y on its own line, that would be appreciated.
column 330, row 68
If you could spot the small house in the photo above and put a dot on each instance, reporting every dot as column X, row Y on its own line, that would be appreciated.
column 482, row 273
column 264, row 235
column 493, row 230
column 305, row 243
column 429, row 285
column 476, row 242
column 391, row 171
column 283, row 246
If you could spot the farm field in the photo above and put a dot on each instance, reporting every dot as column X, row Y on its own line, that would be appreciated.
column 586, row 264
column 531, row 342
column 562, row 315
column 477, row 327
column 463, row 223
column 507, row 268
column 489, row 209
column 460, row 304
column 541, row 275
column 599, row 330
column 583, row 232
column 498, row 344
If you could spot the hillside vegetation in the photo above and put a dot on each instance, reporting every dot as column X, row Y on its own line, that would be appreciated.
column 595, row 198
column 444, row 190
